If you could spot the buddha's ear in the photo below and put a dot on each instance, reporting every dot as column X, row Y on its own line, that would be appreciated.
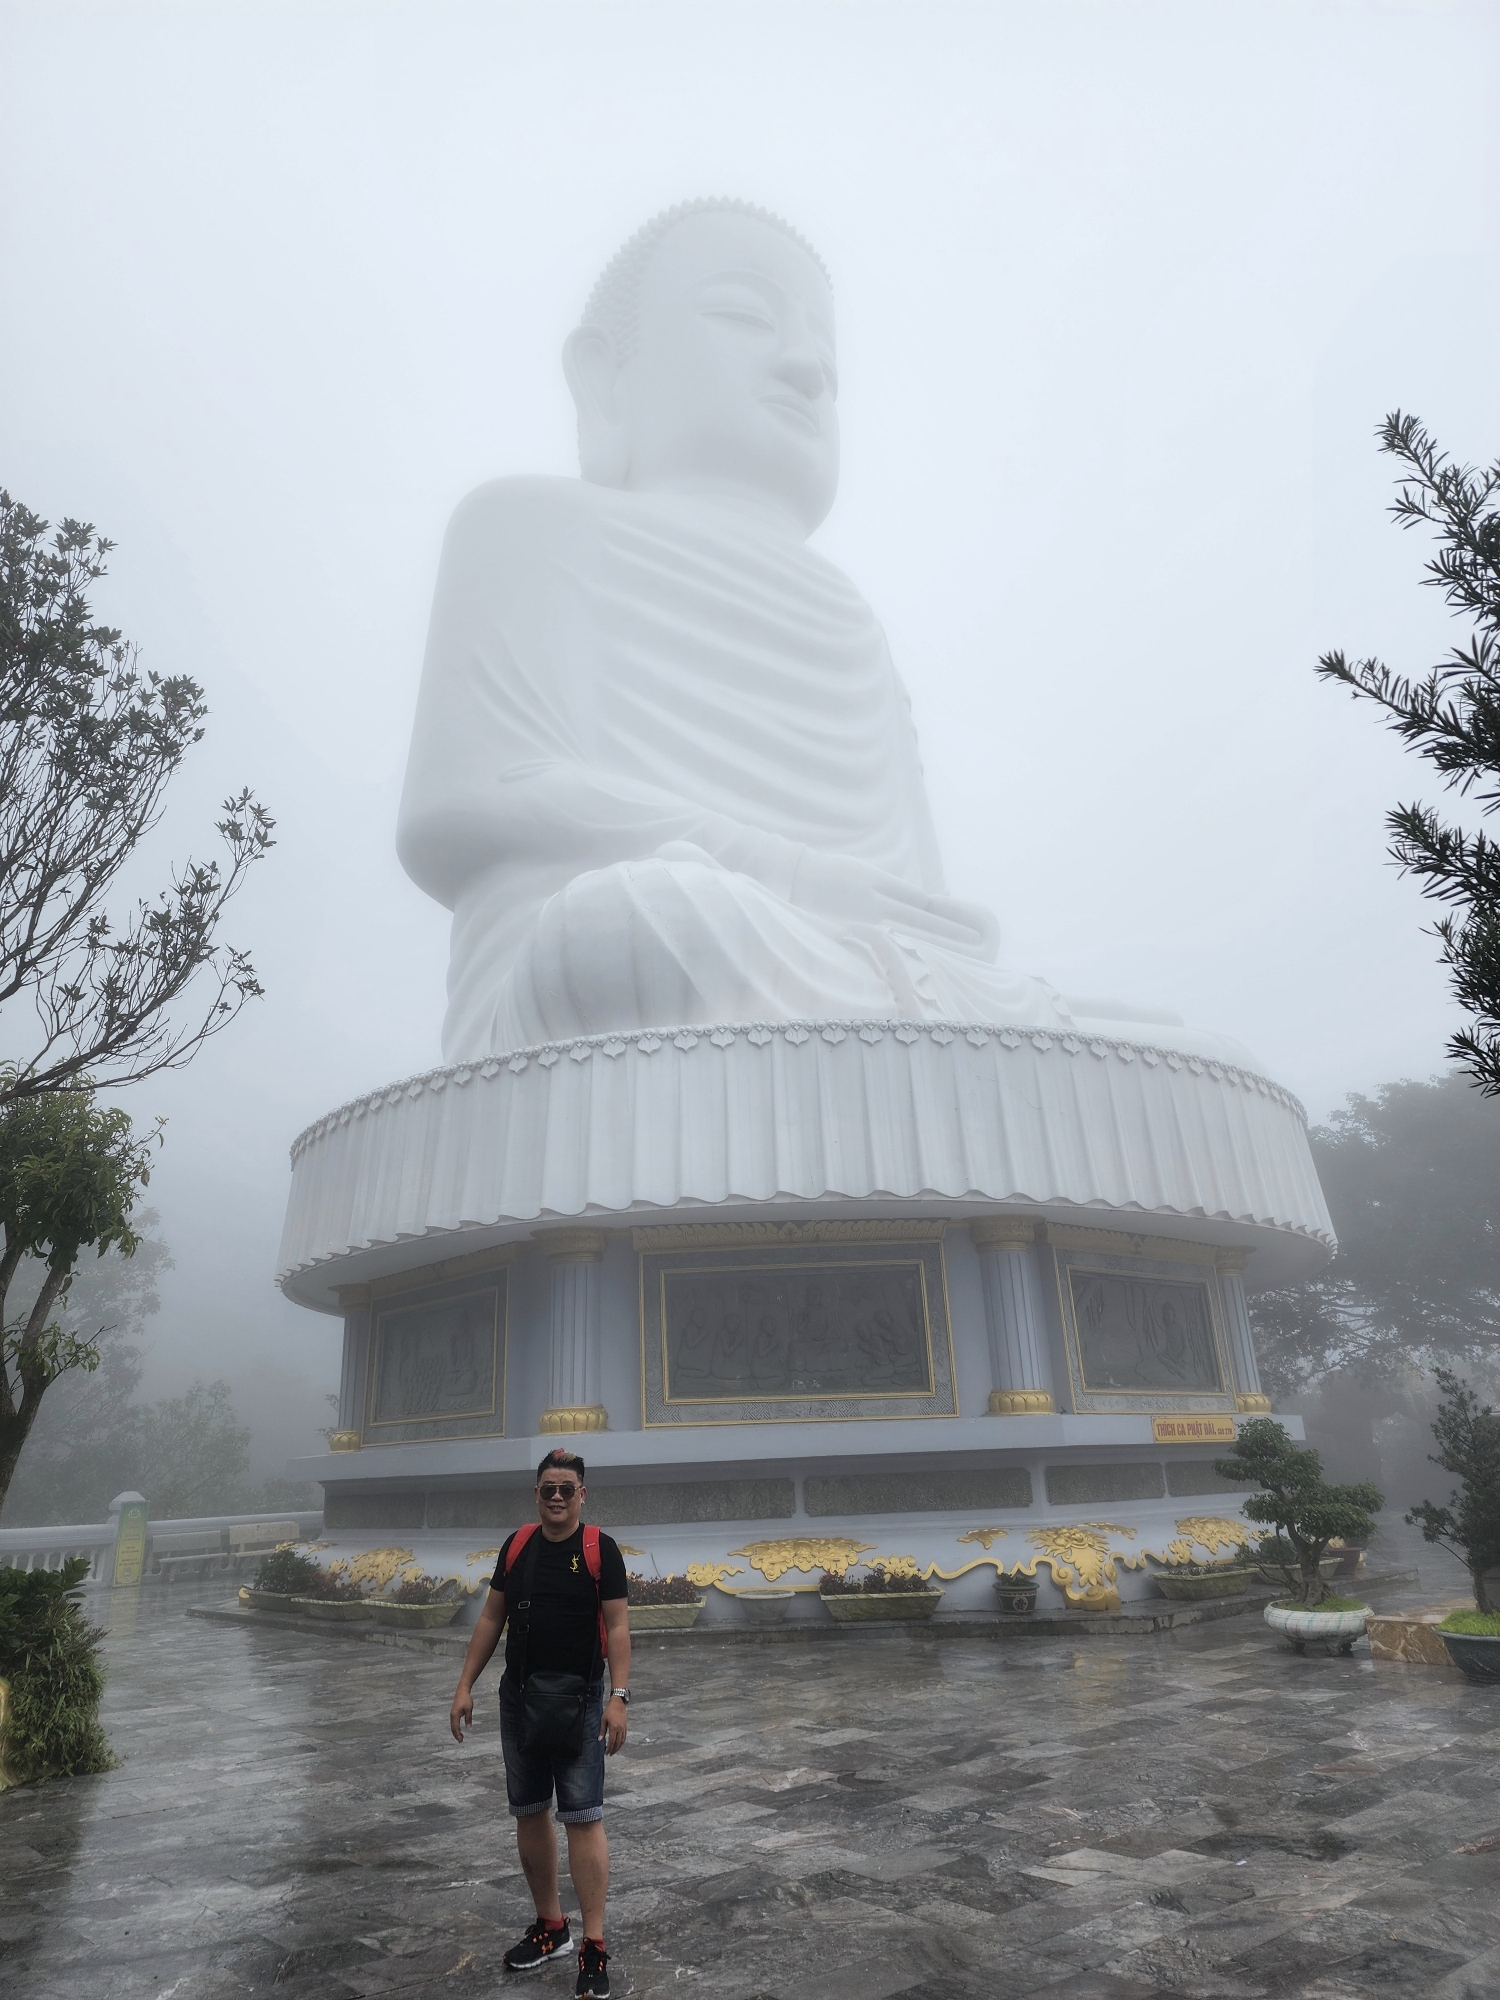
column 593, row 372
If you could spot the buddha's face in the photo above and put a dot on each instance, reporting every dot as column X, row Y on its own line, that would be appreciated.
column 730, row 388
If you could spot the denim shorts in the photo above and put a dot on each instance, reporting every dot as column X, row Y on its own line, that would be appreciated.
column 531, row 1775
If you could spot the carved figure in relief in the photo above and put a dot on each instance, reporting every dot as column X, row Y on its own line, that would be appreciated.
column 1144, row 1333
column 663, row 769
column 855, row 1333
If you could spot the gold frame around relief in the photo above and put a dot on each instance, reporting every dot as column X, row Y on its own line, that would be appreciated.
column 693, row 1237
column 500, row 1348
column 1112, row 1264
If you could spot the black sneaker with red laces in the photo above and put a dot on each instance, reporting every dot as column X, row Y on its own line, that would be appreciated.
column 593, row 1972
column 539, row 1947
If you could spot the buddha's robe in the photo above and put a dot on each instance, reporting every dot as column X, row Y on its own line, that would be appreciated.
column 639, row 715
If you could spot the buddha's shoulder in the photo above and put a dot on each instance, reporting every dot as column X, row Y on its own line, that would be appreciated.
column 527, row 510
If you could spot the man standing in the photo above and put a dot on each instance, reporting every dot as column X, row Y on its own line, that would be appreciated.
column 564, row 1590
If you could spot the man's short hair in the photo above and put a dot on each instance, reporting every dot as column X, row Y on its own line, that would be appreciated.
column 560, row 1459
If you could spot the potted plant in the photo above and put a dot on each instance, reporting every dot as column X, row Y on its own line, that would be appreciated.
column 1196, row 1582
column 1468, row 1439
column 663, row 1603
column 1307, row 1513
column 332, row 1597
column 284, row 1577
column 884, row 1593
column 1350, row 1551
column 1015, row 1593
column 765, row 1606
column 417, row 1604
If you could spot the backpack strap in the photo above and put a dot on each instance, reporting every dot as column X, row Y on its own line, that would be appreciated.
column 518, row 1543
column 595, row 1566
column 518, row 1615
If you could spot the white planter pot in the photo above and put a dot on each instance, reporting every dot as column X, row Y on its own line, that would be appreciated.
column 665, row 1617
column 764, row 1607
column 1337, row 1630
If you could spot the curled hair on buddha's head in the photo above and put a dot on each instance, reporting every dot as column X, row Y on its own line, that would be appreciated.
column 613, row 304
column 560, row 1459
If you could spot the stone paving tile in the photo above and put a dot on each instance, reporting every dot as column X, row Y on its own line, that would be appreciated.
column 1193, row 1813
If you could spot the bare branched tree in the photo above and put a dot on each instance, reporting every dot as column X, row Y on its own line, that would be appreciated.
column 88, row 743
column 1452, row 718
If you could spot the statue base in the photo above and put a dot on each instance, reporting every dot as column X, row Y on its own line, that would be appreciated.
column 807, row 1296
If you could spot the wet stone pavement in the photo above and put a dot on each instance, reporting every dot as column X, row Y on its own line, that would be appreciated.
column 1195, row 1813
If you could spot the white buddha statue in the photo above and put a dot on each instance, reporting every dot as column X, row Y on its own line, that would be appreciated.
column 663, row 771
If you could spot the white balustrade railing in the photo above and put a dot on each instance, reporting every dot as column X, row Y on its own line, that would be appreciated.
column 50, row 1548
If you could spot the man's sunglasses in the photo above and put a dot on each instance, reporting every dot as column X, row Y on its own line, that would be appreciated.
column 552, row 1492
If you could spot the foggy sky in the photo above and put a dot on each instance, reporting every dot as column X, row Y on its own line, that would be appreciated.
column 1122, row 289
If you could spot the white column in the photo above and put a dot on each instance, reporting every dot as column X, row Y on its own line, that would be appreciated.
column 1249, row 1399
column 355, row 1300
column 573, row 1345
column 1019, row 1354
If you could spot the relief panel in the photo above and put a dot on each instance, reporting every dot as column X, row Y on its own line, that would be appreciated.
column 1142, row 1333
column 437, row 1362
column 795, row 1334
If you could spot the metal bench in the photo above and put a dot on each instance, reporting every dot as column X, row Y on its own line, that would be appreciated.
column 200, row 1554
column 253, row 1541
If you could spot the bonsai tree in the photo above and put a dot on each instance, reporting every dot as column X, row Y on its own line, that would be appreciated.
column 1297, row 1501
column 1468, row 1438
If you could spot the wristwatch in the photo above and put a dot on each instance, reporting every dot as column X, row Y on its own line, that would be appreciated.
column 620, row 1694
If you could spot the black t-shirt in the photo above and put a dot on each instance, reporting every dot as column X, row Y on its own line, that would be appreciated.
column 564, row 1606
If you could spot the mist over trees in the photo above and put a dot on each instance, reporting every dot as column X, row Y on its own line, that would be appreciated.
column 94, row 1437
column 1412, row 1178
column 88, row 1000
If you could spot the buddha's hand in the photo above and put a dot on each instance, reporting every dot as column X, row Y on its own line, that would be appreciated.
column 838, row 885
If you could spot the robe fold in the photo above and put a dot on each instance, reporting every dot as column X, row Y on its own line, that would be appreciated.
column 642, row 719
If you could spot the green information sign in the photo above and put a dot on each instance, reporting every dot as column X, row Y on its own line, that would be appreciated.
column 130, row 1544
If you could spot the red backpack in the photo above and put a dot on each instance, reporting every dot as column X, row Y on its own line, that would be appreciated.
column 592, row 1563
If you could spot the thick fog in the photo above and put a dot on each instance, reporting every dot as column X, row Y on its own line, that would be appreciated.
column 1123, row 292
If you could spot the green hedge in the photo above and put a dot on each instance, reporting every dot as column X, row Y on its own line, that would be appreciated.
column 49, row 1655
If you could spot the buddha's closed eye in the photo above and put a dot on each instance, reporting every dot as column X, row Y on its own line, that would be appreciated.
column 740, row 315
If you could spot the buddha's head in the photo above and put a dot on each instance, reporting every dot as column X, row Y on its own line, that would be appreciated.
column 705, row 364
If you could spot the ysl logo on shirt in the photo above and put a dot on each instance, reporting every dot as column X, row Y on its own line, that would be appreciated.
column 573, row 1565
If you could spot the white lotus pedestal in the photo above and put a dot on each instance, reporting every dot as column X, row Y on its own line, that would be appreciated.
column 806, row 1295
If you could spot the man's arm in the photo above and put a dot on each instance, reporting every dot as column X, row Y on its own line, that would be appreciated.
column 486, row 1638
column 614, row 1723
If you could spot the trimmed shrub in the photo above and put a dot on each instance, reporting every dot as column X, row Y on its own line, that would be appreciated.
column 287, row 1573
column 421, row 1589
column 880, row 1581
column 324, row 1583
column 645, row 1590
column 1468, row 1438
column 49, row 1654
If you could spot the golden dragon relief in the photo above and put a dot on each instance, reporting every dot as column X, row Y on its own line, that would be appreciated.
column 1082, row 1562
column 835, row 1553
column 377, row 1566
column 1209, row 1531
